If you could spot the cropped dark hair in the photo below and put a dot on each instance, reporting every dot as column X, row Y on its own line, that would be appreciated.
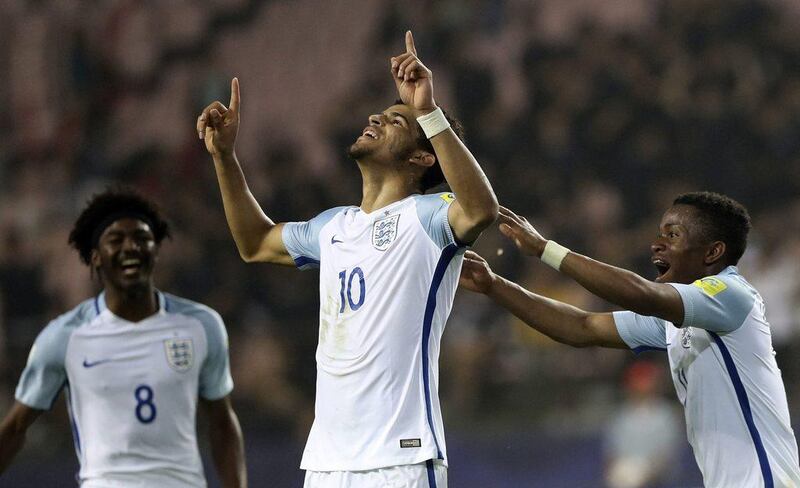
column 434, row 176
column 722, row 219
column 117, row 202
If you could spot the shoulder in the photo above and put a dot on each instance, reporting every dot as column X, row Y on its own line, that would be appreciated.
column 64, row 325
column 51, row 343
column 719, row 303
column 206, row 315
column 432, row 214
column 729, row 287
column 326, row 215
column 435, row 200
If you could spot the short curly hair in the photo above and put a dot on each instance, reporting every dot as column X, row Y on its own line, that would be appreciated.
column 722, row 219
column 114, row 201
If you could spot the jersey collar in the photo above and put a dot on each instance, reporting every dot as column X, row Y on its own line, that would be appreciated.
column 100, row 303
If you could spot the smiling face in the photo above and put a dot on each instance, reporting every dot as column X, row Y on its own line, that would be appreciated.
column 681, row 253
column 391, row 136
column 126, row 254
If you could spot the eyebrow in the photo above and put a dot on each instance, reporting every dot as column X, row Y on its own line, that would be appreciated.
column 398, row 114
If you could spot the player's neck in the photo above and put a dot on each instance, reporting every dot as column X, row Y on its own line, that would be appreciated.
column 132, row 305
column 380, row 189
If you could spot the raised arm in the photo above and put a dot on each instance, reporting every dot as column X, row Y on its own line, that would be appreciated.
column 257, row 237
column 616, row 285
column 13, row 430
column 559, row 321
column 476, row 204
column 227, row 446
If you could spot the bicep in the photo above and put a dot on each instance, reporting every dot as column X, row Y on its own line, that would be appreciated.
column 664, row 302
column 219, row 414
column 465, row 230
column 272, row 248
column 603, row 331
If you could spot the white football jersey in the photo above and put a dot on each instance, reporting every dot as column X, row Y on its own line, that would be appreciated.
column 725, row 373
column 132, row 388
column 387, row 282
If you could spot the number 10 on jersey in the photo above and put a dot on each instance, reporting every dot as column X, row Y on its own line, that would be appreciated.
column 346, row 289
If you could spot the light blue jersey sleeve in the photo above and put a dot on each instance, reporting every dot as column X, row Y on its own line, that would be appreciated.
column 45, row 375
column 215, row 372
column 640, row 332
column 301, row 239
column 718, row 303
column 432, row 212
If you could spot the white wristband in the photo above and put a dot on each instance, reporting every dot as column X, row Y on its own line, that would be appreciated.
column 553, row 254
column 433, row 123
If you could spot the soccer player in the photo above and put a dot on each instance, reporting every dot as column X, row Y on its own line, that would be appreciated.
column 133, row 361
column 700, row 310
column 388, row 272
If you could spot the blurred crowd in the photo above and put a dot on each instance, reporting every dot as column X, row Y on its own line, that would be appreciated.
column 588, row 118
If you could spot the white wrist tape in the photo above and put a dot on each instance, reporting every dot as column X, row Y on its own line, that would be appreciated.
column 553, row 254
column 433, row 123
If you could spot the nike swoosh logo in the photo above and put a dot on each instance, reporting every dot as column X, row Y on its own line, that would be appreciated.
column 334, row 240
column 87, row 364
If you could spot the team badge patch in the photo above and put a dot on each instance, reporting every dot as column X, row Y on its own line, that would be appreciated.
column 448, row 197
column 711, row 286
column 180, row 354
column 384, row 232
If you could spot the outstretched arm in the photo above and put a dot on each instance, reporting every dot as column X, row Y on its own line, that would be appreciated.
column 257, row 237
column 559, row 321
column 476, row 206
column 13, row 430
column 616, row 285
column 227, row 446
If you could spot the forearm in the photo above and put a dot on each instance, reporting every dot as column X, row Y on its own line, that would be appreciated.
column 248, row 223
column 12, row 438
column 227, row 450
column 559, row 321
column 624, row 288
column 466, row 178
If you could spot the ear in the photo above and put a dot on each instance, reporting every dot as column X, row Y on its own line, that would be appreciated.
column 422, row 158
column 95, row 259
column 714, row 252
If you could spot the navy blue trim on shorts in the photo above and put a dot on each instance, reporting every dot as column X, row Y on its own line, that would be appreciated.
column 431, row 473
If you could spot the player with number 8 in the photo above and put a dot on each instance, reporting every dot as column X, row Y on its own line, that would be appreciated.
column 133, row 362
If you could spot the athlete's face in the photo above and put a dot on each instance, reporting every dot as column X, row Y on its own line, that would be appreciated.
column 126, row 254
column 390, row 136
column 679, row 251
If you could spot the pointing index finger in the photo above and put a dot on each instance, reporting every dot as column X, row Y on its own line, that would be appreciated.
column 410, row 43
column 234, row 105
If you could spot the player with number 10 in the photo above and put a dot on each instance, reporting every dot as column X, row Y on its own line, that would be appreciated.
column 388, row 272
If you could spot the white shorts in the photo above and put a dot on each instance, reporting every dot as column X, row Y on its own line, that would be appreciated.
column 430, row 474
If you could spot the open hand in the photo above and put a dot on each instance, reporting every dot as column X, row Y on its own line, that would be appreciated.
column 413, row 79
column 518, row 229
column 218, row 125
column 476, row 275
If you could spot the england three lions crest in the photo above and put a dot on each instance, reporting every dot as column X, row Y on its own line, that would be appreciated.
column 384, row 232
column 180, row 354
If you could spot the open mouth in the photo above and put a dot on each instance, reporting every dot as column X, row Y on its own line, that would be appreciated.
column 131, row 266
column 661, row 266
column 370, row 133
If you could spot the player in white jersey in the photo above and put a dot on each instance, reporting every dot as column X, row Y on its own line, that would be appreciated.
column 388, row 272
column 133, row 361
column 700, row 310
